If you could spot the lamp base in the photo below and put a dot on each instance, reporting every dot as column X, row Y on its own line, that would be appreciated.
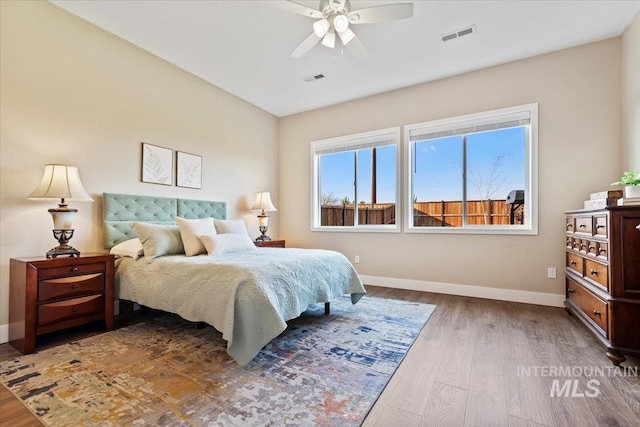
column 58, row 251
column 63, row 237
column 263, row 237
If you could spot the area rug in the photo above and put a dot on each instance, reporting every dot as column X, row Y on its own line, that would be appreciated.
column 323, row 370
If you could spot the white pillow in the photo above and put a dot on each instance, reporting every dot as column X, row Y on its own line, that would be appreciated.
column 131, row 248
column 189, row 231
column 227, row 243
column 232, row 226
column 158, row 239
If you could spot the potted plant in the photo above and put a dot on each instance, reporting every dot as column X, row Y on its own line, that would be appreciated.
column 631, row 181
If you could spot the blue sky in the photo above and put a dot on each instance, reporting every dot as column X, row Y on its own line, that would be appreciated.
column 437, row 170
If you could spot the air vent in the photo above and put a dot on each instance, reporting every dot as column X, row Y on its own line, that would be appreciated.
column 313, row 78
column 458, row 33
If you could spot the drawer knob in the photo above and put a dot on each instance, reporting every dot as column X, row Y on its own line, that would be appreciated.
column 601, row 250
column 75, row 286
column 570, row 291
column 582, row 226
column 569, row 226
column 596, row 313
column 74, row 269
column 594, row 272
column 74, row 309
column 573, row 262
column 591, row 247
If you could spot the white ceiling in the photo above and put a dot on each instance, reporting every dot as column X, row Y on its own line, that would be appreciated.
column 243, row 46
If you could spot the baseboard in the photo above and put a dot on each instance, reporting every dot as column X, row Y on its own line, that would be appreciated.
column 538, row 298
column 4, row 334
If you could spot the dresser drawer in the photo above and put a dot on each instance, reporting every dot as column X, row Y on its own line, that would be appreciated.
column 68, row 309
column 584, row 224
column 592, row 306
column 603, row 250
column 68, row 287
column 570, row 224
column 592, row 247
column 597, row 272
column 75, row 270
column 576, row 263
column 600, row 222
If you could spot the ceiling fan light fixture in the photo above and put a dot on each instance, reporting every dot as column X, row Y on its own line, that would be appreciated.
column 329, row 39
column 321, row 27
column 346, row 36
column 341, row 23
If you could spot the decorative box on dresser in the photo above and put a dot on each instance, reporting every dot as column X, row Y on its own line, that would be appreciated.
column 603, row 276
column 47, row 295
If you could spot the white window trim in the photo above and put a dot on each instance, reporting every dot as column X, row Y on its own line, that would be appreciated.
column 531, row 177
column 329, row 143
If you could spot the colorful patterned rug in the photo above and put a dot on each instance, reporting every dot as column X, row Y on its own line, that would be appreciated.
column 323, row 370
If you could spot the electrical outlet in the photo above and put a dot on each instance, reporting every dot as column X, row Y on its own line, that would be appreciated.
column 357, row 259
column 551, row 273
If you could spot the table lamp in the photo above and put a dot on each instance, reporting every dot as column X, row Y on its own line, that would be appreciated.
column 61, row 182
column 263, row 204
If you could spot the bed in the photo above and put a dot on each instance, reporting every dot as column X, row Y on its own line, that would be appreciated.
column 248, row 296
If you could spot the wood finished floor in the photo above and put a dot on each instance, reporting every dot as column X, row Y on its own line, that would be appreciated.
column 463, row 370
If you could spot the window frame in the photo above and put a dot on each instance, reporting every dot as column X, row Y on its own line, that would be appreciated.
column 347, row 141
column 531, row 174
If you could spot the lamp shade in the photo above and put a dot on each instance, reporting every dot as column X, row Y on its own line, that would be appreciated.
column 61, row 182
column 263, row 202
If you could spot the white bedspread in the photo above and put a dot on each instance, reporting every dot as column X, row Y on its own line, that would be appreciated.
column 248, row 296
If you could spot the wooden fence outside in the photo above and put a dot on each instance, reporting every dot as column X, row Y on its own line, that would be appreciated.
column 341, row 215
column 426, row 214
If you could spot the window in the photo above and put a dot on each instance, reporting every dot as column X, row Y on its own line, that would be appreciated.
column 355, row 182
column 474, row 173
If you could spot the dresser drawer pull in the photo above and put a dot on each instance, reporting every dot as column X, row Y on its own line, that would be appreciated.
column 583, row 245
column 570, row 291
column 74, row 309
column 74, row 269
column 596, row 313
column 582, row 226
column 573, row 262
column 602, row 250
column 75, row 286
column 569, row 226
column 591, row 247
column 599, row 226
column 594, row 272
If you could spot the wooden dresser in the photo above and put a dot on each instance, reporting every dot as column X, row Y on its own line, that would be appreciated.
column 49, row 295
column 603, row 276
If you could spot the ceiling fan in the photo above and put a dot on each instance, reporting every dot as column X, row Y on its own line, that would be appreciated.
column 334, row 17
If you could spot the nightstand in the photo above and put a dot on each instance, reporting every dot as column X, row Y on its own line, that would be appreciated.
column 270, row 243
column 47, row 295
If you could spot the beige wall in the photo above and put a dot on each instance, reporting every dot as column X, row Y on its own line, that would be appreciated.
column 631, row 96
column 578, row 91
column 74, row 94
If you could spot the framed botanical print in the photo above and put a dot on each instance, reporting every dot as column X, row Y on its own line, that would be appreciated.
column 157, row 164
column 188, row 170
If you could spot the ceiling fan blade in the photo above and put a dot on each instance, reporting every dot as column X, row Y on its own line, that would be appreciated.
column 305, row 46
column 357, row 48
column 300, row 9
column 383, row 13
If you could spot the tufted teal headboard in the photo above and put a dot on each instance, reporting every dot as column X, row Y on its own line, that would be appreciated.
column 120, row 210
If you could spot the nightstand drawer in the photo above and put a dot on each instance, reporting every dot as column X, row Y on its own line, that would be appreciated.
column 68, row 287
column 68, row 309
column 75, row 270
